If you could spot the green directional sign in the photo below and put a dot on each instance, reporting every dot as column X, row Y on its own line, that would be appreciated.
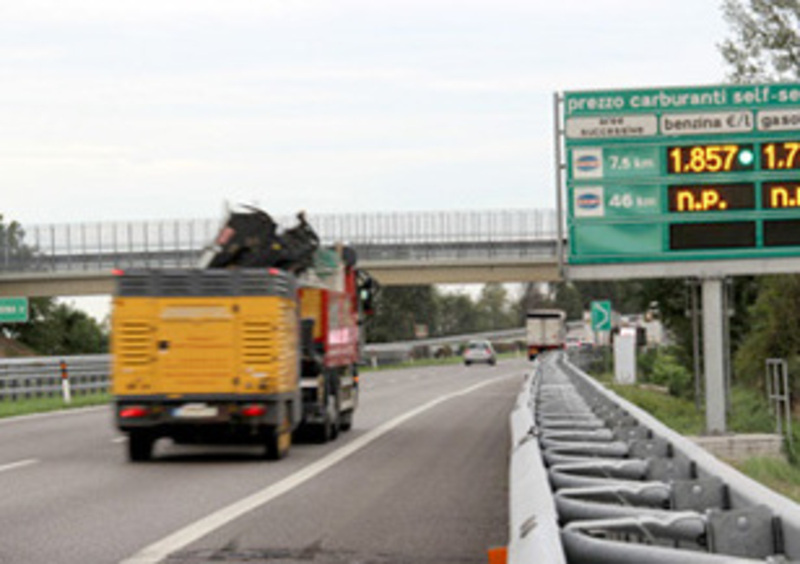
column 13, row 310
column 601, row 315
column 674, row 174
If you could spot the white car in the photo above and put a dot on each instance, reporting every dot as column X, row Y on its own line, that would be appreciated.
column 479, row 351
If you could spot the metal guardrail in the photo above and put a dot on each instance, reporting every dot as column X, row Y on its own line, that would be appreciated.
column 376, row 236
column 40, row 377
column 24, row 378
column 626, row 488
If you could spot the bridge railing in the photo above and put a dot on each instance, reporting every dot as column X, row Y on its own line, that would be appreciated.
column 377, row 236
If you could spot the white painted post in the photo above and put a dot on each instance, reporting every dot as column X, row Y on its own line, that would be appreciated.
column 65, row 388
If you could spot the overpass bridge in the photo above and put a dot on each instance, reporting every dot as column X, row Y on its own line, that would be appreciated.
column 397, row 248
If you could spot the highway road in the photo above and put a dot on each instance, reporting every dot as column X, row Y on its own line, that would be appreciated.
column 421, row 478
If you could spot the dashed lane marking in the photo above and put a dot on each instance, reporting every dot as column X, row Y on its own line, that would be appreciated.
column 19, row 464
column 160, row 550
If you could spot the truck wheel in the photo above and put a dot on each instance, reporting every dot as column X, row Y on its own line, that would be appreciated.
column 346, row 421
column 329, row 429
column 277, row 443
column 140, row 446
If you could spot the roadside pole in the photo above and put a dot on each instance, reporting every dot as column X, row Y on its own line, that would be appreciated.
column 65, row 389
column 714, row 353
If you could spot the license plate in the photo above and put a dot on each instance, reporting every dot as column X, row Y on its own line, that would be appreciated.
column 195, row 411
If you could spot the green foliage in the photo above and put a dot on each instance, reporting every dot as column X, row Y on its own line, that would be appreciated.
column 457, row 312
column 675, row 412
column 14, row 250
column 625, row 295
column 776, row 474
column 750, row 411
column 56, row 329
column 774, row 330
column 669, row 372
column 41, row 405
column 493, row 308
column 766, row 42
column 644, row 364
column 398, row 309
column 569, row 298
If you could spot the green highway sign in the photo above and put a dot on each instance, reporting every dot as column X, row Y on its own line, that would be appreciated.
column 601, row 315
column 672, row 174
column 13, row 310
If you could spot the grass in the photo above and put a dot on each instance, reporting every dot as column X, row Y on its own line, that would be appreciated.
column 749, row 411
column 677, row 413
column 749, row 414
column 776, row 474
column 43, row 405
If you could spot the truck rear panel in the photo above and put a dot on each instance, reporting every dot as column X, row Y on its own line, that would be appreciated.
column 201, row 348
column 546, row 330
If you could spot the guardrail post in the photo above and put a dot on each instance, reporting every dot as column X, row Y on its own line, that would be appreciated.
column 65, row 388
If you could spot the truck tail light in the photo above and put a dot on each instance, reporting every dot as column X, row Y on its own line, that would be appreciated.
column 133, row 412
column 254, row 410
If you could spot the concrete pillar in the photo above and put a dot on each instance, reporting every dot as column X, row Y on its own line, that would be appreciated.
column 714, row 353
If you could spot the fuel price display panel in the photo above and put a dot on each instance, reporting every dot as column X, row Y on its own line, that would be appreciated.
column 677, row 174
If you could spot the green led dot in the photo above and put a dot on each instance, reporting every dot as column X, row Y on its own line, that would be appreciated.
column 746, row 157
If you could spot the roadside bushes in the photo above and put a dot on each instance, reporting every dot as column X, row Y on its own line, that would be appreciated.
column 662, row 368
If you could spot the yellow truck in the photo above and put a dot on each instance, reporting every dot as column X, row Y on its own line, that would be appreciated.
column 206, row 355
column 235, row 355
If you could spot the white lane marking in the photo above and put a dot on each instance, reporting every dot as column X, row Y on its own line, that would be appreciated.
column 159, row 550
column 117, row 440
column 19, row 464
column 49, row 414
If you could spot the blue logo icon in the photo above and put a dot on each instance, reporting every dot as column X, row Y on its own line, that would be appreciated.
column 588, row 201
column 587, row 163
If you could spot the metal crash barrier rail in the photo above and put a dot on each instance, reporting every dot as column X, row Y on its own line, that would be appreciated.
column 38, row 377
column 596, row 480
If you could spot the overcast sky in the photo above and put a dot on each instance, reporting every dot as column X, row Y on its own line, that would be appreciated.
column 151, row 109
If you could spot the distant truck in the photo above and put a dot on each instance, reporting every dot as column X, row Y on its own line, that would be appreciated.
column 546, row 330
column 240, row 351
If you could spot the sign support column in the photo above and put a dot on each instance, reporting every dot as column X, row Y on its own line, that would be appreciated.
column 714, row 353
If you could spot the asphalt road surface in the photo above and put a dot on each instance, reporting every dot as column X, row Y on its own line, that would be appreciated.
column 421, row 478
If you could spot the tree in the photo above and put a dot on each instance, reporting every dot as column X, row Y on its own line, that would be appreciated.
column 775, row 328
column 52, row 329
column 765, row 47
column 493, row 307
column 766, row 42
column 398, row 309
column 14, row 253
column 458, row 315
column 569, row 299
column 59, row 329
